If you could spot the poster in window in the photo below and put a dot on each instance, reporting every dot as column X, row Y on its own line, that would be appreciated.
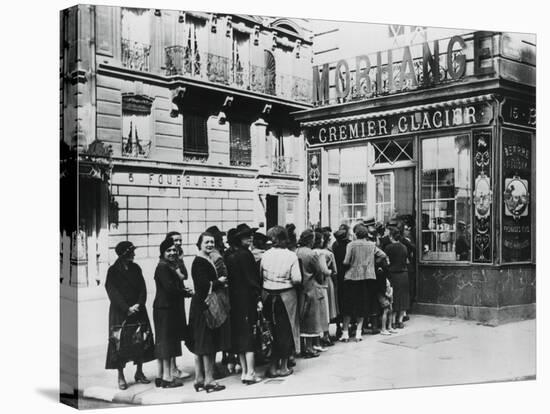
column 516, row 207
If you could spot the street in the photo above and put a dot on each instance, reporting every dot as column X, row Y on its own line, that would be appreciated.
column 429, row 351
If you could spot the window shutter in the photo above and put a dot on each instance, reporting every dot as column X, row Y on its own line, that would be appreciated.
column 195, row 135
column 240, row 145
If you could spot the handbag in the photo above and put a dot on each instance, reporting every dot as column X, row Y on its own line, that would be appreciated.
column 131, row 341
column 263, row 336
column 217, row 308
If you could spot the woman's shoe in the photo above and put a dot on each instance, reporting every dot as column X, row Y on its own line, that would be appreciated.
column 291, row 363
column 251, row 379
column 288, row 372
column 214, row 387
column 319, row 348
column 400, row 325
column 309, row 354
column 269, row 374
column 122, row 385
column 392, row 331
column 158, row 382
column 198, row 386
column 141, row 379
column 171, row 384
column 384, row 332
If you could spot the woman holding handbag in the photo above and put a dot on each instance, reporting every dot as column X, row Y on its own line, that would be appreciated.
column 127, row 293
column 204, row 340
column 245, row 299
column 169, row 324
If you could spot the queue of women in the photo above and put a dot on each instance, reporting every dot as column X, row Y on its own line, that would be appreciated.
column 356, row 280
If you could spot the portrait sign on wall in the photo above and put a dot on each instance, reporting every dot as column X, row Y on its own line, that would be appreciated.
column 483, row 194
column 516, row 208
column 314, row 188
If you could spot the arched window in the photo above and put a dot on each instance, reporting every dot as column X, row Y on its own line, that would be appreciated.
column 270, row 73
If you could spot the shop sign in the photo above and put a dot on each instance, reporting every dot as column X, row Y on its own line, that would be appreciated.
column 264, row 187
column 182, row 181
column 401, row 69
column 340, row 132
column 519, row 113
column 516, row 198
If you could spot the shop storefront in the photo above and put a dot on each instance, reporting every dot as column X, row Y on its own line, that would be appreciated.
column 451, row 155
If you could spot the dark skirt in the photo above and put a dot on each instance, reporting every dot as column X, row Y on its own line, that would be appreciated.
column 400, row 284
column 359, row 298
column 201, row 339
column 242, row 336
column 283, row 340
column 168, row 333
column 115, row 360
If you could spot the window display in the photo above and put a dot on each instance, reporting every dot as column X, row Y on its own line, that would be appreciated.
column 446, row 198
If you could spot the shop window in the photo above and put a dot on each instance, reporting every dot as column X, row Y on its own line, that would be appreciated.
column 384, row 202
column 240, row 146
column 136, row 38
column 353, row 203
column 446, row 198
column 195, row 137
column 392, row 151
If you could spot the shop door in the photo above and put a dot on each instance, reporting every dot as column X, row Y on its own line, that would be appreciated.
column 395, row 191
column 271, row 211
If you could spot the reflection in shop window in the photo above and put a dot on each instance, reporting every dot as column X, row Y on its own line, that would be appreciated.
column 446, row 199
column 384, row 197
column 353, row 203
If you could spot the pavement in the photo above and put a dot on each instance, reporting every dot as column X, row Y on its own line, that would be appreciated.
column 429, row 351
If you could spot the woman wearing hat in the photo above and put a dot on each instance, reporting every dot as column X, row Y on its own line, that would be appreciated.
column 245, row 299
column 205, row 342
column 169, row 326
column 127, row 293
column 360, row 287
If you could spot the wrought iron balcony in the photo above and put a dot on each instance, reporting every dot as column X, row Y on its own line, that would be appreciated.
column 180, row 60
column 283, row 165
column 135, row 55
column 218, row 69
column 224, row 70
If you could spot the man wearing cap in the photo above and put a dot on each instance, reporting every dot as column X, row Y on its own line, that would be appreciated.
column 127, row 293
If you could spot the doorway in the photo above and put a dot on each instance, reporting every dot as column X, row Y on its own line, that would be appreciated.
column 272, row 211
column 395, row 194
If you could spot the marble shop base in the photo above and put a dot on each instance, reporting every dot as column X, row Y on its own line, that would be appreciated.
column 491, row 316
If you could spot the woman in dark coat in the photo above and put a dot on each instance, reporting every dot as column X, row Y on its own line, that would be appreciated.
column 339, row 250
column 399, row 279
column 169, row 325
column 245, row 299
column 205, row 342
column 127, row 293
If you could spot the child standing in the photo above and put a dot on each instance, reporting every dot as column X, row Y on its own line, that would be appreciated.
column 386, row 300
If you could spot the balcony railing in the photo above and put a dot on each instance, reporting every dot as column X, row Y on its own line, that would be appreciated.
column 223, row 70
column 135, row 55
column 283, row 165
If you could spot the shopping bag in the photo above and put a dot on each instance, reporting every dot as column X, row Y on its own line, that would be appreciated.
column 263, row 335
column 217, row 308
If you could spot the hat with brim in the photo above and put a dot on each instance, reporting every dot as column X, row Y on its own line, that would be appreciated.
column 215, row 231
column 369, row 222
column 124, row 248
column 341, row 235
column 244, row 230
